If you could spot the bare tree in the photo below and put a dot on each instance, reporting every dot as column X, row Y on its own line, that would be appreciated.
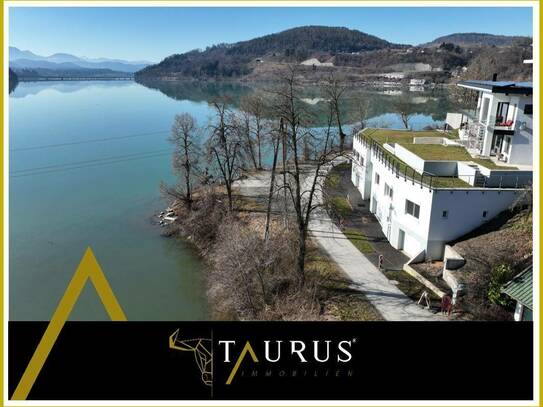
column 301, row 184
column 255, row 105
column 360, row 113
column 404, row 108
column 284, row 160
column 241, row 122
column 333, row 89
column 185, row 158
column 224, row 147
column 275, row 140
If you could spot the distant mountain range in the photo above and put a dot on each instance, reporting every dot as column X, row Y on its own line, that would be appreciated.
column 26, row 63
column 318, row 48
column 323, row 48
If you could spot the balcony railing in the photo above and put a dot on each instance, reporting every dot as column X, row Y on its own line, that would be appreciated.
column 501, row 124
column 408, row 173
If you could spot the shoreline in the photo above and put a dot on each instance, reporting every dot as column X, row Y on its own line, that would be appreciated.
column 332, row 298
column 305, row 81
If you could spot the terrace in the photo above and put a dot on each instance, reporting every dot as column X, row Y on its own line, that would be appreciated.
column 377, row 138
column 439, row 152
column 432, row 159
column 383, row 136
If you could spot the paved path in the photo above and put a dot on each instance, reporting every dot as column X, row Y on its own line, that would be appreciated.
column 361, row 219
column 391, row 303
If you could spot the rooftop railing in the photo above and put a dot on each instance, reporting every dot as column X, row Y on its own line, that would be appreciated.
column 408, row 173
column 425, row 180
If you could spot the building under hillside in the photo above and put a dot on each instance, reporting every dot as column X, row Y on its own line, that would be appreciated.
column 426, row 189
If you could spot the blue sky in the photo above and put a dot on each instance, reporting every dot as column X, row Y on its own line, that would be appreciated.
column 154, row 33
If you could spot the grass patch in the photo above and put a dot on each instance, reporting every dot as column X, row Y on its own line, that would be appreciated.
column 332, row 180
column 319, row 263
column 358, row 239
column 437, row 182
column 522, row 222
column 450, row 182
column 248, row 204
column 352, row 307
column 342, row 167
column 438, row 152
column 403, row 137
column 452, row 134
column 409, row 285
column 491, row 165
column 340, row 205
column 383, row 136
column 339, row 300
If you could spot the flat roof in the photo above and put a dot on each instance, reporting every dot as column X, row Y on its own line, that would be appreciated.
column 525, row 88
column 438, row 152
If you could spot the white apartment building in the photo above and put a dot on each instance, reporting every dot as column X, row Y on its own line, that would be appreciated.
column 500, row 126
column 422, row 198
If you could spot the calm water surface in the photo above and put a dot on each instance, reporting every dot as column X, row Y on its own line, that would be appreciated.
column 86, row 161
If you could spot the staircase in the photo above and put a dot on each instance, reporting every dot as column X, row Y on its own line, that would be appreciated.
column 480, row 180
column 473, row 140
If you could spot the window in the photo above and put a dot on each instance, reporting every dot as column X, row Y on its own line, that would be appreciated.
column 445, row 214
column 388, row 191
column 484, row 214
column 502, row 112
column 377, row 178
column 361, row 159
column 529, row 109
column 412, row 208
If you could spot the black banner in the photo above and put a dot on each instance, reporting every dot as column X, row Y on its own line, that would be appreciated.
column 278, row 360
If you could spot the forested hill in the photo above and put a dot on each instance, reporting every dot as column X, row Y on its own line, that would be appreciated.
column 475, row 39
column 13, row 80
column 303, row 40
column 294, row 45
column 353, row 53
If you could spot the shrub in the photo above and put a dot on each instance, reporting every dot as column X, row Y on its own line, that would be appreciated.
column 340, row 205
column 499, row 275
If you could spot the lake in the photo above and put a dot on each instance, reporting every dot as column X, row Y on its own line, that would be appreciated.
column 85, row 163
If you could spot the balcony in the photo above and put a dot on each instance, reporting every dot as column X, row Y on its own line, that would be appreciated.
column 501, row 124
column 473, row 114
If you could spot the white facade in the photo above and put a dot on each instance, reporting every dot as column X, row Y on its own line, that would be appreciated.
column 502, row 126
column 515, row 144
column 413, row 216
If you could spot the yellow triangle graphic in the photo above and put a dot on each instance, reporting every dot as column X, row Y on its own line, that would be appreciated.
column 88, row 269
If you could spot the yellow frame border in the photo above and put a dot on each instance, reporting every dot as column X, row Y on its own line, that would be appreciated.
column 4, row 87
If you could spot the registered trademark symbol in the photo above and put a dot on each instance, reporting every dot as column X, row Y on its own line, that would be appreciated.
column 354, row 340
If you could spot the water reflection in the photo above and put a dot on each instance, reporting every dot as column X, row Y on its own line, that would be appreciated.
column 428, row 106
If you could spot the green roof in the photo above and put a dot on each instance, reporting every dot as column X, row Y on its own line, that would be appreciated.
column 383, row 136
column 520, row 288
column 438, row 152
